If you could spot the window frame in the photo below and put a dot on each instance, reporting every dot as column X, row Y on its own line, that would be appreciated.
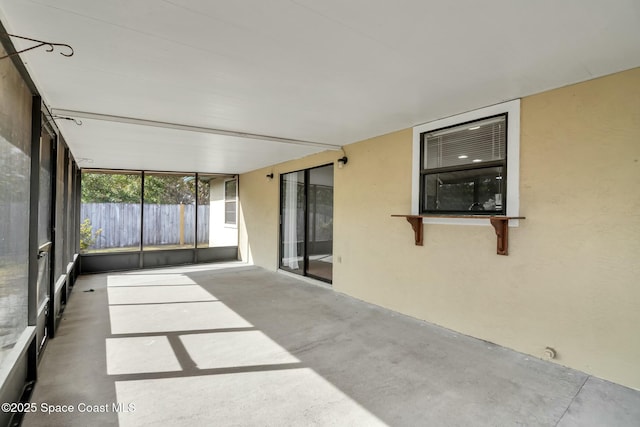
column 424, row 171
column 226, row 200
column 512, row 111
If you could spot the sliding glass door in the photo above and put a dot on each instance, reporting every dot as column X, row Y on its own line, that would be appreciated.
column 306, row 222
column 292, row 222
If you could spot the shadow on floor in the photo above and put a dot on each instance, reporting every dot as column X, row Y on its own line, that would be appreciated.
column 237, row 345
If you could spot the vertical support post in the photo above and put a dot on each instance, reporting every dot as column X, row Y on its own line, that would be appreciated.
column 195, row 223
column 34, row 196
column 53, row 251
column 74, row 228
column 305, row 244
column 78, row 208
column 181, row 224
column 63, row 252
column 34, row 193
column 141, row 251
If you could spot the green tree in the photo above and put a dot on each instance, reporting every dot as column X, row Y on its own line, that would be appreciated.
column 126, row 188
column 169, row 189
column 110, row 188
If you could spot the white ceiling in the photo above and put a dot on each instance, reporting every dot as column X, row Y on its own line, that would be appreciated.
column 330, row 72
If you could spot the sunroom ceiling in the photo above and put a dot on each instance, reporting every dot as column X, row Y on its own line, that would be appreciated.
column 328, row 72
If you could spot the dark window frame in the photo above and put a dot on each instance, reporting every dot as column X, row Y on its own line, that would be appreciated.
column 425, row 172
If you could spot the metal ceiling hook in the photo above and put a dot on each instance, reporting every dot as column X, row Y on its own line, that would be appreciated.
column 72, row 119
column 50, row 46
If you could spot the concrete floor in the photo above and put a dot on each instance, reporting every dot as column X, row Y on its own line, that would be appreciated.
column 231, row 344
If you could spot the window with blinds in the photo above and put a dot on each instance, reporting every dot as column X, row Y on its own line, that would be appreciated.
column 230, row 202
column 464, row 168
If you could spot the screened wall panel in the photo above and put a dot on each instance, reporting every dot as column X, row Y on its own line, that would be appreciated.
column 165, row 212
column 69, row 207
column 15, row 169
column 205, row 200
column 44, row 205
column 169, row 211
column 110, row 214
column 60, row 223
column 44, row 216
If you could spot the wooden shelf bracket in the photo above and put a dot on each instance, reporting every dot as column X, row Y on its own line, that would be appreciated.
column 418, row 229
column 499, row 223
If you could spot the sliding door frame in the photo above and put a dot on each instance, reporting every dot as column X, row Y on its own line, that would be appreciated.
column 305, row 245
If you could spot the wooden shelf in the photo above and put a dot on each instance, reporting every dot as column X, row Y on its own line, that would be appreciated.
column 499, row 222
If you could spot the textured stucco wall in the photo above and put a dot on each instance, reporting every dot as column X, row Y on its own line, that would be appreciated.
column 258, row 218
column 572, row 279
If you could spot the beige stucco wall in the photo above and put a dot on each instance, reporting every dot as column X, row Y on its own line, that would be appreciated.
column 259, row 209
column 572, row 279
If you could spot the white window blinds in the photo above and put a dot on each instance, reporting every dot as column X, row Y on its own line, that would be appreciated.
column 467, row 144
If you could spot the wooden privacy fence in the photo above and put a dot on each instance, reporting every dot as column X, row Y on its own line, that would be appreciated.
column 163, row 224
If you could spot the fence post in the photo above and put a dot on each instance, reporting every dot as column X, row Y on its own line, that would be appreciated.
column 181, row 224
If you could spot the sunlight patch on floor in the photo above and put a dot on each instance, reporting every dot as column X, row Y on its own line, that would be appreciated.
column 251, row 380
column 290, row 397
column 129, row 279
column 158, row 294
column 136, row 355
column 194, row 316
column 232, row 349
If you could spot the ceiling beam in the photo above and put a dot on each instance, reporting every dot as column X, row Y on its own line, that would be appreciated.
column 187, row 128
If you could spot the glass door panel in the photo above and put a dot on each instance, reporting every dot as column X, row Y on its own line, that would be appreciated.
column 320, row 223
column 292, row 220
column 306, row 222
